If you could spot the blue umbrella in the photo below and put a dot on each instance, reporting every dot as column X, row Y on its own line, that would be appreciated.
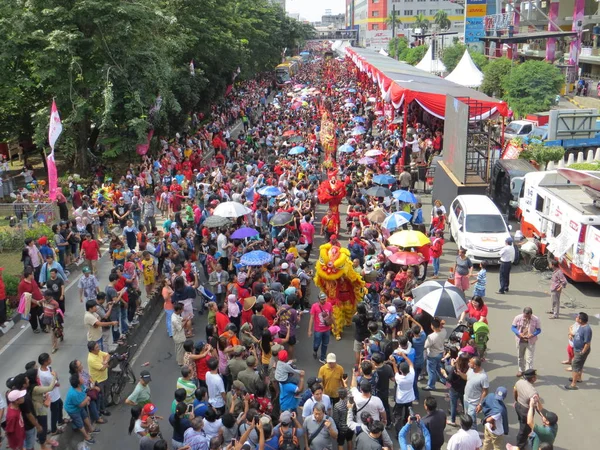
column 256, row 258
column 358, row 131
column 269, row 191
column 396, row 220
column 297, row 150
column 404, row 196
column 352, row 90
column 384, row 180
column 358, row 119
column 346, row 148
column 244, row 232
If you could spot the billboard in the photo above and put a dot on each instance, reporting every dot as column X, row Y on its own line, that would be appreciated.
column 455, row 137
column 378, row 39
column 475, row 12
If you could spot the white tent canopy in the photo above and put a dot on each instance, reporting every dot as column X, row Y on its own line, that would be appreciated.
column 429, row 64
column 466, row 73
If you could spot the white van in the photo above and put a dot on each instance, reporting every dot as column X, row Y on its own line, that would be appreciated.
column 477, row 225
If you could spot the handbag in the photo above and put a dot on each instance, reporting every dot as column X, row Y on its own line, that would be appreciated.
column 92, row 394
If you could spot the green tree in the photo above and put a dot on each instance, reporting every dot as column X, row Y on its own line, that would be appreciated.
column 415, row 54
column 542, row 154
column 422, row 22
column 441, row 20
column 393, row 21
column 494, row 75
column 532, row 86
column 398, row 47
column 452, row 55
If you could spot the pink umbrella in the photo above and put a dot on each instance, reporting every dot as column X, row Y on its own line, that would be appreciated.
column 406, row 258
column 367, row 161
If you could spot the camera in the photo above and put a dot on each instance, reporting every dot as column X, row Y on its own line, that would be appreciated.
column 411, row 414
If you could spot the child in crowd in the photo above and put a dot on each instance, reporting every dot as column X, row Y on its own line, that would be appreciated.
column 481, row 280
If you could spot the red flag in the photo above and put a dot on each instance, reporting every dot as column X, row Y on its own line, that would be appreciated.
column 54, row 131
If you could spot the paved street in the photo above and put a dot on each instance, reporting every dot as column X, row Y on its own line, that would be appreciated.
column 577, row 410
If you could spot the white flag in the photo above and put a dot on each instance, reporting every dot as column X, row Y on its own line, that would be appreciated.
column 192, row 68
column 55, row 126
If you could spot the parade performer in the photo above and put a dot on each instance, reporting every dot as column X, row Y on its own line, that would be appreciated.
column 327, row 134
column 332, row 191
column 344, row 287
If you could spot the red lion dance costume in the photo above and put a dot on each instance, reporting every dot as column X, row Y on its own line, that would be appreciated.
column 344, row 287
column 332, row 191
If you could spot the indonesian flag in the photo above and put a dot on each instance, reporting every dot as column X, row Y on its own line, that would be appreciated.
column 54, row 130
column 55, row 127
column 192, row 68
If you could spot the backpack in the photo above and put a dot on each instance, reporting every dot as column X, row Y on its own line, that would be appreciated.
column 288, row 441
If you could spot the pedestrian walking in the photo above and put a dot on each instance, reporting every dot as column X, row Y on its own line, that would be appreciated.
column 582, row 341
column 526, row 328
column 558, row 282
column 319, row 326
column 524, row 392
column 507, row 257
column 476, row 389
column 178, row 324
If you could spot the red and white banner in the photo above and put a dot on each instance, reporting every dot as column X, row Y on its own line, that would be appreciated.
column 55, row 126
column 54, row 131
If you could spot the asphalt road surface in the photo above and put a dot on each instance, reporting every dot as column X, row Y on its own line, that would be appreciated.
column 577, row 410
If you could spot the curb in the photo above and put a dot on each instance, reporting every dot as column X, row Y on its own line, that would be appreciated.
column 575, row 102
column 11, row 323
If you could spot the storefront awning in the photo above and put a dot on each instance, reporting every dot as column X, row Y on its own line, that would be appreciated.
column 401, row 82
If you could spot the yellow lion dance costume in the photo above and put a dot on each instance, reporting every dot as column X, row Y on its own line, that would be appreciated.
column 336, row 277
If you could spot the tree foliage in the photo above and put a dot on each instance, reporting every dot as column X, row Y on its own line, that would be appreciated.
column 415, row 54
column 532, row 86
column 398, row 47
column 494, row 75
column 452, row 55
column 422, row 22
column 109, row 62
column 441, row 20
column 542, row 154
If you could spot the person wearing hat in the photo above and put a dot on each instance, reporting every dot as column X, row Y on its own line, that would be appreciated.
column 524, row 392
column 543, row 436
column 332, row 375
column 288, row 429
column 14, row 425
column 526, row 328
column 495, row 417
column 249, row 376
column 90, row 252
column 141, row 394
column 234, row 401
column 236, row 364
column 88, row 285
column 507, row 257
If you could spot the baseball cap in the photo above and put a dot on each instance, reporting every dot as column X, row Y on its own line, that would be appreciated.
column 145, row 375
column 285, row 266
column 276, row 348
column 285, row 418
column 282, row 355
column 331, row 358
column 238, row 350
column 15, row 395
column 391, row 309
column 530, row 373
column 313, row 380
column 501, row 393
column 237, row 384
column 85, row 269
column 148, row 409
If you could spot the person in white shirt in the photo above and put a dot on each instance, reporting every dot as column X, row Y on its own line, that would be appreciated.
column 405, row 393
column 465, row 438
column 317, row 397
column 507, row 257
column 216, row 388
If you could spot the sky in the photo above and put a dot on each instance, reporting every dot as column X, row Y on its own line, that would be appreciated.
column 312, row 10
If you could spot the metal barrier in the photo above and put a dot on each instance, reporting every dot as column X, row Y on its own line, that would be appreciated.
column 26, row 214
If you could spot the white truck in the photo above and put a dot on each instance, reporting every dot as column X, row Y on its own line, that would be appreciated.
column 560, row 207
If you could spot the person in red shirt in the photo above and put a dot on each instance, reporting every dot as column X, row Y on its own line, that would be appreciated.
column 425, row 250
column 28, row 284
column 90, row 251
column 329, row 225
column 222, row 319
column 269, row 310
column 437, row 245
column 308, row 232
column 15, row 426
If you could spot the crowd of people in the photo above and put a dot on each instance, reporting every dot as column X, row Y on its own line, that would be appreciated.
column 241, row 385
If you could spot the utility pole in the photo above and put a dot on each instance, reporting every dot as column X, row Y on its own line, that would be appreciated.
column 393, row 21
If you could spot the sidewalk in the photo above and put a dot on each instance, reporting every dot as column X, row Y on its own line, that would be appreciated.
column 585, row 102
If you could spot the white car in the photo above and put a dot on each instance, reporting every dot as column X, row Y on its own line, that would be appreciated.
column 477, row 225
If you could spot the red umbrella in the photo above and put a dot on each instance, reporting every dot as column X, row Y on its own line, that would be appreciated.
column 290, row 132
column 406, row 258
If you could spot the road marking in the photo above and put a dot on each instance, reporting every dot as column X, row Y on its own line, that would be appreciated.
column 140, row 349
column 17, row 336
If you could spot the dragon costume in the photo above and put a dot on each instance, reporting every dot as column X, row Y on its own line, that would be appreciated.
column 332, row 191
column 344, row 287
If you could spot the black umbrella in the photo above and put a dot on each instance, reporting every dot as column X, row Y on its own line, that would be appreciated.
column 280, row 219
column 379, row 191
column 216, row 222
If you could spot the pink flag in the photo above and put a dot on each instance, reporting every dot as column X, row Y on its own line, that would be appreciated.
column 55, row 126
column 54, row 131
column 142, row 149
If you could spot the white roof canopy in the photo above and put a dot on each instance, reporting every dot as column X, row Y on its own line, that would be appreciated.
column 429, row 64
column 466, row 73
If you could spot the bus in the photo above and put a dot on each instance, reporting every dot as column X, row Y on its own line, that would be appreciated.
column 283, row 73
